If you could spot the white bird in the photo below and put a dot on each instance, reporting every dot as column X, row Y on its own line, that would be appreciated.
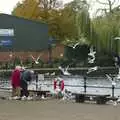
column 52, row 73
column 91, row 60
column 76, row 45
column 92, row 52
column 91, row 55
column 36, row 60
column 10, row 55
column 111, row 79
column 64, row 70
column 118, row 100
column 114, row 103
column 92, row 69
column 47, row 73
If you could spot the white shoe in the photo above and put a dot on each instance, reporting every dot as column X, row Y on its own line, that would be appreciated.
column 16, row 98
column 29, row 98
column 23, row 98
column 42, row 97
column 115, row 103
column 10, row 98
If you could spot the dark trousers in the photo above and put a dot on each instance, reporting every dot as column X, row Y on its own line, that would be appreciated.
column 24, row 91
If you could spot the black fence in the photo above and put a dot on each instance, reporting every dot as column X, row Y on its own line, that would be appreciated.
column 5, row 81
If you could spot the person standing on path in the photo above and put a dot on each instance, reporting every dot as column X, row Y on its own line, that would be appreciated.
column 26, row 76
column 15, row 82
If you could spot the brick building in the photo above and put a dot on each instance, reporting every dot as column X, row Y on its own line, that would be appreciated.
column 21, row 38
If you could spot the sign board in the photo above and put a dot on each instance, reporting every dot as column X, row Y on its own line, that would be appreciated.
column 6, row 32
column 6, row 43
column 40, row 77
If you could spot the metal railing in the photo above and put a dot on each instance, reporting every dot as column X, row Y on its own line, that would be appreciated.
column 85, row 85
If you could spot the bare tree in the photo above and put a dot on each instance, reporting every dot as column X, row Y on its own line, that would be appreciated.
column 48, row 4
column 108, row 5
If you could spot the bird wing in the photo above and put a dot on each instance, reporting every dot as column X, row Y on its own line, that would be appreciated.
column 76, row 45
column 67, row 68
column 109, row 78
column 91, row 49
column 33, row 57
column 39, row 57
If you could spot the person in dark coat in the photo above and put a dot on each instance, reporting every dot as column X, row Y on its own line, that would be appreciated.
column 26, row 76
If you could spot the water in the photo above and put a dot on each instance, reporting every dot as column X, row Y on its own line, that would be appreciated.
column 74, row 84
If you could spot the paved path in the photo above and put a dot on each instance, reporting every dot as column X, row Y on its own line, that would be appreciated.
column 56, row 110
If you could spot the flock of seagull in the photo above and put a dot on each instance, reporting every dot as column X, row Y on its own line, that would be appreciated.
column 91, row 60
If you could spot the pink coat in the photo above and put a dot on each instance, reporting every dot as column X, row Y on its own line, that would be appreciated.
column 62, row 85
column 15, row 78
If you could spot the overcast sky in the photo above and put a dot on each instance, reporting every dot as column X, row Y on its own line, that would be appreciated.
column 6, row 6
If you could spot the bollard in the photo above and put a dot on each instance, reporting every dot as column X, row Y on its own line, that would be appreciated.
column 85, row 83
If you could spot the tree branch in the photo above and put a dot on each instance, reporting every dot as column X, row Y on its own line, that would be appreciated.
column 104, row 3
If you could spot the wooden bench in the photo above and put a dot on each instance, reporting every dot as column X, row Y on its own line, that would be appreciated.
column 40, row 92
column 99, row 98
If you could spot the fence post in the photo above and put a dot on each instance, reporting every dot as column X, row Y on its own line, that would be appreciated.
column 113, row 87
column 36, row 76
column 85, row 83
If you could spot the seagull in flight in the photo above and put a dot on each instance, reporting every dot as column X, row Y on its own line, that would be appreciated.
column 92, row 69
column 111, row 79
column 36, row 60
column 91, row 55
column 64, row 70
column 52, row 73
column 76, row 45
column 91, row 60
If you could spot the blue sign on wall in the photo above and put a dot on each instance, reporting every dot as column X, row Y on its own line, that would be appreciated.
column 51, row 41
column 6, row 43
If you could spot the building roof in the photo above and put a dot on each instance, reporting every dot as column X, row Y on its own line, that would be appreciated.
column 22, row 18
column 28, row 35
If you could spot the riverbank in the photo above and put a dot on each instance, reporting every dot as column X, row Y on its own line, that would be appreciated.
column 56, row 110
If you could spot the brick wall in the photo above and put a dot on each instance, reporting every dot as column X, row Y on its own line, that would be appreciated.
column 57, row 52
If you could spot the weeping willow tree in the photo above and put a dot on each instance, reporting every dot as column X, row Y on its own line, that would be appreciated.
column 78, row 11
column 106, row 26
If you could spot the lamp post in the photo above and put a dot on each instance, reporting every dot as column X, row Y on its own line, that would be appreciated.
column 51, row 42
column 49, row 50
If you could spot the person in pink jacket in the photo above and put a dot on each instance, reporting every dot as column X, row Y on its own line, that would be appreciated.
column 15, row 82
